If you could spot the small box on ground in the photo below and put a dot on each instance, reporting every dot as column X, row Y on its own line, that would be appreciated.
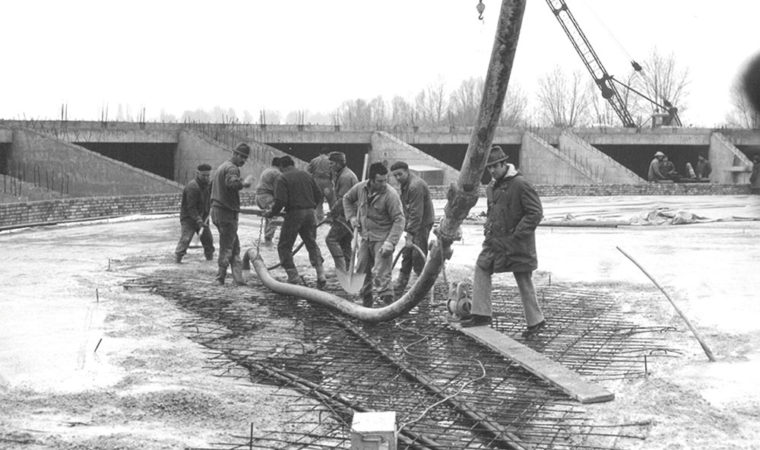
column 433, row 176
column 374, row 431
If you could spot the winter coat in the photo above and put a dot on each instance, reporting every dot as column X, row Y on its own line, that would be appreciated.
column 380, row 215
column 514, row 212
column 196, row 203
column 418, row 206
column 226, row 186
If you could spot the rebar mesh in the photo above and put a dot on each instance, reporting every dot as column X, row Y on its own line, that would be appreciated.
column 447, row 390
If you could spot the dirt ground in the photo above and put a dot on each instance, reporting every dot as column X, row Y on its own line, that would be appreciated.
column 86, row 363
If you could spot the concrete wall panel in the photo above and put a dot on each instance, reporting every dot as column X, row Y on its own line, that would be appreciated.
column 87, row 172
column 543, row 164
column 729, row 164
column 386, row 147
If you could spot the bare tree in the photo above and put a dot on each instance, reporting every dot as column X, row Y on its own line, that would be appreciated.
column 515, row 105
column 378, row 111
column 465, row 101
column 663, row 81
column 742, row 115
column 401, row 112
column 562, row 102
column 430, row 105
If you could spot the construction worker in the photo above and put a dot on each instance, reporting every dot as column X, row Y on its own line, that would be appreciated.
column 374, row 210
column 194, row 213
column 321, row 169
column 225, row 208
column 338, row 239
column 420, row 217
column 514, row 212
column 704, row 168
column 754, row 178
column 655, row 173
column 297, row 193
column 265, row 197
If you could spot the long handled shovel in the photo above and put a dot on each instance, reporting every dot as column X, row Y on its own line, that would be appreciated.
column 351, row 282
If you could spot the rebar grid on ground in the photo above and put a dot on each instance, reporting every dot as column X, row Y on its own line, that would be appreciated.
column 448, row 391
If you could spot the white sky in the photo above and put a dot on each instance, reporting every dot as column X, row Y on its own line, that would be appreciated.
column 312, row 55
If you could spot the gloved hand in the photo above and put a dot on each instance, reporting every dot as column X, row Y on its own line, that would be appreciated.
column 408, row 240
column 354, row 222
column 387, row 248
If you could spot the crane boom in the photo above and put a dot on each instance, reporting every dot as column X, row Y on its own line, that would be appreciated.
column 591, row 60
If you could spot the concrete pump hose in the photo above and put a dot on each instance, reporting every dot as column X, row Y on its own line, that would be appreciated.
column 416, row 293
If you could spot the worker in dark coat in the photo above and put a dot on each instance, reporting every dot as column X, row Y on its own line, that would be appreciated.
column 514, row 212
column 338, row 239
column 420, row 217
column 321, row 169
column 298, row 194
column 225, row 209
column 194, row 212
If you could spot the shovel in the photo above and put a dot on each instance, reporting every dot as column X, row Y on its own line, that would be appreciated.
column 352, row 282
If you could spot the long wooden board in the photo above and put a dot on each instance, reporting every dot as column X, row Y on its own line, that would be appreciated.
column 551, row 371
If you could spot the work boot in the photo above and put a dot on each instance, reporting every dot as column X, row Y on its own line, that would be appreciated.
column 400, row 284
column 293, row 277
column 340, row 264
column 321, row 280
column 209, row 256
column 246, row 261
column 237, row 272
column 178, row 259
column 221, row 274
column 368, row 300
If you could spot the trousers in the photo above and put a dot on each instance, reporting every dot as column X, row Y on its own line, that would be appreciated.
column 481, row 295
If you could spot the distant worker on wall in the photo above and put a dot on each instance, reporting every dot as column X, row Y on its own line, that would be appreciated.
column 265, row 197
column 297, row 192
column 374, row 210
column 704, row 168
column 320, row 168
column 668, row 169
column 225, row 209
column 514, row 211
column 655, row 173
column 338, row 239
column 754, row 178
column 420, row 217
column 194, row 214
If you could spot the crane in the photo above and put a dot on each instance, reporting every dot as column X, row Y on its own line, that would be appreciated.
column 600, row 75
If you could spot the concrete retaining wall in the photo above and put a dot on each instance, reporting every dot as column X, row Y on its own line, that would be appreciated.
column 544, row 164
column 386, row 147
column 89, row 173
column 729, row 164
column 439, row 192
column 604, row 168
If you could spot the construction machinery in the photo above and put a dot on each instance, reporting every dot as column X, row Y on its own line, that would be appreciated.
column 606, row 82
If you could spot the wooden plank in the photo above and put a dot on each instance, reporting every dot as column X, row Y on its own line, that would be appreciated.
column 551, row 371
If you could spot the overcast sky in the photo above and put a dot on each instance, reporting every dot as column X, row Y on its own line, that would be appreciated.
column 312, row 55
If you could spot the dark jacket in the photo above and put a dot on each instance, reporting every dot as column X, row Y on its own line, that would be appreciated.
column 418, row 206
column 295, row 189
column 514, row 212
column 225, row 189
column 344, row 181
column 195, row 203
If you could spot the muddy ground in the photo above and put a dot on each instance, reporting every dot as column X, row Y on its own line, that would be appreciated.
column 86, row 363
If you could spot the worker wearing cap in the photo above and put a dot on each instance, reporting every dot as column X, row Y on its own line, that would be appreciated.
column 194, row 212
column 514, row 212
column 265, row 197
column 297, row 193
column 374, row 210
column 320, row 168
column 225, row 208
column 655, row 168
column 338, row 239
column 420, row 217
